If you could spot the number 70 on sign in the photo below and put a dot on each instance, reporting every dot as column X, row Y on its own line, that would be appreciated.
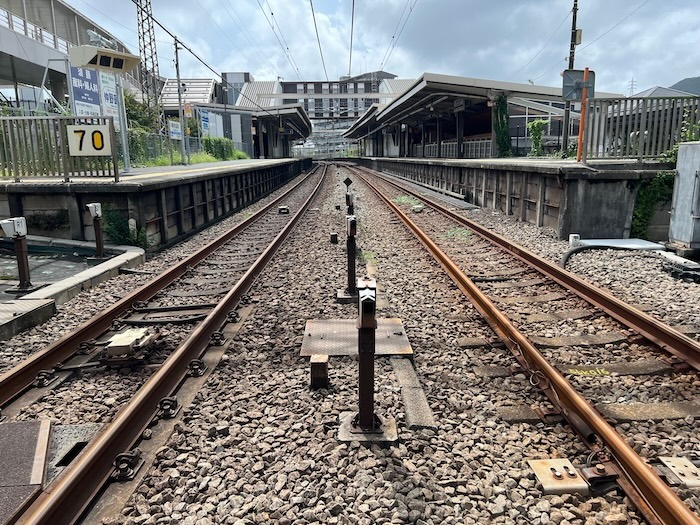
column 89, row 140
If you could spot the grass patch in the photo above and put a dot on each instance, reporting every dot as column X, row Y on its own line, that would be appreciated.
column 406, row 200
column 458, row 233
column 368, row 256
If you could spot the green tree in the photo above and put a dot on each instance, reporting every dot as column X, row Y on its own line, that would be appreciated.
column 139, row 114
column 501, row 127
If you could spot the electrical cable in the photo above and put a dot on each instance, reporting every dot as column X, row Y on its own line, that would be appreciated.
column 218, row 26
column 195, row 55
column 613, row 27
column 393, row 36
column 393, row 46
column 313, row 14
column 352, row 29
column 543, row 47
column 286, row 50
column 598, row 38
column 242, row 27
column 119, row 23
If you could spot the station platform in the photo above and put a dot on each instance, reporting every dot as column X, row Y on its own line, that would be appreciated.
column 161, row 204
column 595, row 200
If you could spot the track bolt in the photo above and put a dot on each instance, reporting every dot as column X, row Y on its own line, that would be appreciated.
column 44, row 378
column 127, row 464
column 217, row 339
column 168, row 407
column 196, row 368
column 600, row 468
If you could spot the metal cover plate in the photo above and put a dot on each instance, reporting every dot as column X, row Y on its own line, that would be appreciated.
column 23, row 451
column 570, row 482
column 630, row 368
column 544, row 298
column 683, row 469
column 579, row 340
column 649, row 411
column 337, row 337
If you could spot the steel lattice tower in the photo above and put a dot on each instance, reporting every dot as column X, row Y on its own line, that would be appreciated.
column 150, row 77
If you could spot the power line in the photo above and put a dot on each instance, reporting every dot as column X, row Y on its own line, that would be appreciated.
column 313, row 14
column 246, row 34
column 352, row 29
column 394, row 42
column 393, row 36
column 217, row 25
column 544, row 46
column 119, row 23
column 613, row 27
column 286, row 50
column 178, row 41
column 598, row 38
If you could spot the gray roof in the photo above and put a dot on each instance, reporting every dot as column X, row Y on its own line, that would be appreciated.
column 397, row 86
column 658, row 91
column 197, row 91
column 249, row 96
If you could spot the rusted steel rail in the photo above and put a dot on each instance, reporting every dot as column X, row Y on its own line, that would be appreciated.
column 666, row 337
column 656, row 497
column 66, row 499
column 16, row 380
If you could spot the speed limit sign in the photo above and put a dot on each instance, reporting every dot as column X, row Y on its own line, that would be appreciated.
column 89, row 140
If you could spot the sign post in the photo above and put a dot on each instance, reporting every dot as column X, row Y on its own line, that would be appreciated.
column 103, row 60
column 584, row 100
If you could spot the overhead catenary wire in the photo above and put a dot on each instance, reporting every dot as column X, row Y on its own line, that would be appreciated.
column 393, row 35
column 124, row 26
column 597, row 38
column 395, row 41
column 287, row 51
column 318, row 39
column 216, row 23
column 544, row 46
column 201, row 60
column 242, row 26
column 352, row 30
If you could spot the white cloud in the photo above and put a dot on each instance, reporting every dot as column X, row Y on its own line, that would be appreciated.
column 657, row 45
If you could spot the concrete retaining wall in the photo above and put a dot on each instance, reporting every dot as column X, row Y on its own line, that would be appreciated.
column 595, row 200
column 164, row 208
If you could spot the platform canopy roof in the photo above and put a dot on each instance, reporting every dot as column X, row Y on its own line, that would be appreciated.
column 196, row 91
column 433, row 94
column 287, row 116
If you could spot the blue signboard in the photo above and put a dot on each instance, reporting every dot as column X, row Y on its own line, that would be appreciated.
column 86, row 91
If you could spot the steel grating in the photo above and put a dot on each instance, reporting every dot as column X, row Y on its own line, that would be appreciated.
column 338, row 337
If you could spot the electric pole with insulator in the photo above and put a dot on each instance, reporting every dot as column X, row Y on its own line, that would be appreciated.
column 575, row 38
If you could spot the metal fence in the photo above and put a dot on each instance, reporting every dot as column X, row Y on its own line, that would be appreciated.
column 637, row 127
column 473, row 149
column 38, row 147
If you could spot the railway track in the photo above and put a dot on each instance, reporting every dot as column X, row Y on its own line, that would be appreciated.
column 166, row 325
column 521, row 272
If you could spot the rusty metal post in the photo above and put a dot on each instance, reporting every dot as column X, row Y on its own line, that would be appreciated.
column 352, row 254
column 366, row 325
column 99, row 239
column 22, row 253
column 95, row 209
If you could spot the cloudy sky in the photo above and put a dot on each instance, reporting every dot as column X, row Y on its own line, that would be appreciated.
column 653, row 42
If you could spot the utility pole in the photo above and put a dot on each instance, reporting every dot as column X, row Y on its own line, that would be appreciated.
column 572, row 52
column 179, row 103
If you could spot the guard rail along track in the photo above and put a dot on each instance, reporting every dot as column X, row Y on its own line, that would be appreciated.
column 67, row 497
column 654, row 499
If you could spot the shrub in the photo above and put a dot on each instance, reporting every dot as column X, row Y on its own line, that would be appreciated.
column 536, row 129
column 222, row 148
